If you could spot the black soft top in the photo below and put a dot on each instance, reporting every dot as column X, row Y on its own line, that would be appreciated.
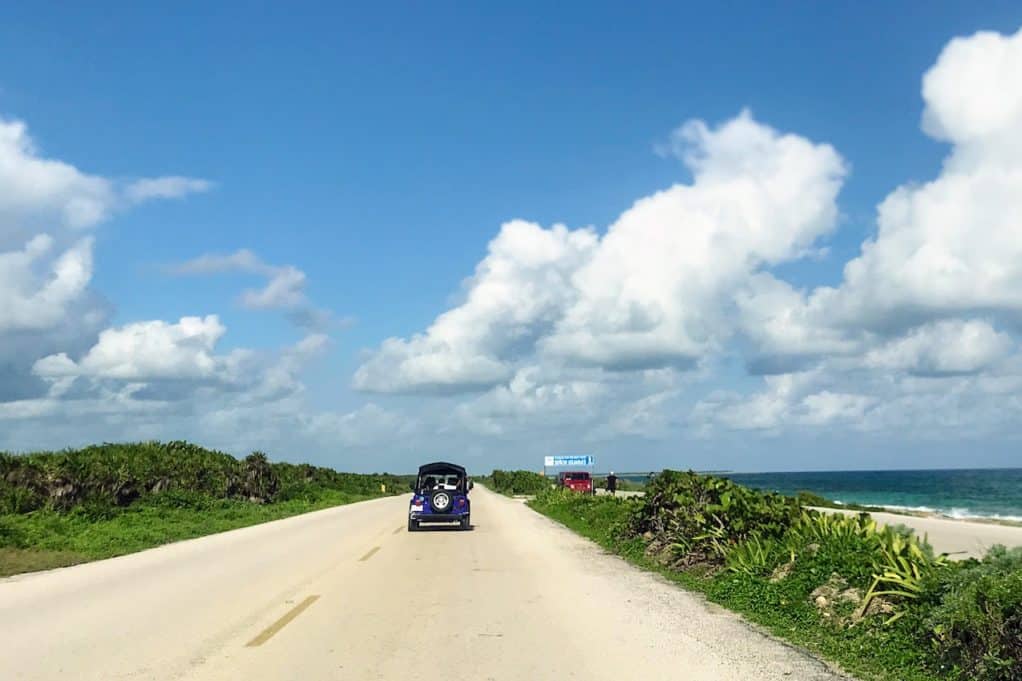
column 441, row 467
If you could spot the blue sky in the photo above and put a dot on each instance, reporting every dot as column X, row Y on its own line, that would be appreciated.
column 379, row 150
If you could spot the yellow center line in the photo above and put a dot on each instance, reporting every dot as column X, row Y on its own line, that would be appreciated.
column 369, row 555
column 269, row 631
column 398, row 529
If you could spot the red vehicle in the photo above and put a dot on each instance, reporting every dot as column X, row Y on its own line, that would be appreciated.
column 576, row 481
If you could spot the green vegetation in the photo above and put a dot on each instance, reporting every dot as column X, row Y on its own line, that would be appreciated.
column 517, row 482
column 61, row 508
column 872, row 598
column 977, row 617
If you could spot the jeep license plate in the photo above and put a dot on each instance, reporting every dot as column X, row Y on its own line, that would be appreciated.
column 416, row 509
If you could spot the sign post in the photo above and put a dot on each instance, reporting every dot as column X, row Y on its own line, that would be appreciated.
column 571, row 460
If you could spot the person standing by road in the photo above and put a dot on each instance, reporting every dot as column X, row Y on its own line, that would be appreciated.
column 612, row 483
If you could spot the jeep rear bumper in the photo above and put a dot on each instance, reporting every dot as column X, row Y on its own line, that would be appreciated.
column 437, row 517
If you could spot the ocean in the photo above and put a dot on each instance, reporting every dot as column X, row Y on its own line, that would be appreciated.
column 984, row 493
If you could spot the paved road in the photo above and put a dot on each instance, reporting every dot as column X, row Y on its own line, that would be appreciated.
column 348, row 593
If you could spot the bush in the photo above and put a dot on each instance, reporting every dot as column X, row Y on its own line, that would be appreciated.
column 118, row 475
column 977, row 625
column 519, row 482
column 701, row 517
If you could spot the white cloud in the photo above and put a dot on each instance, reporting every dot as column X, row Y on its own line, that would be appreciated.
column 369, row 424
column 973, row 93
column 146, row 351
column 786, row 333
column 41, row 194
column 171, row 187
column 936, row 296
column 574, row 336
column 47, row 305
column 804, row 399
column 950, row 247
column 945, row 347
column 284, row 289
column 65, row 377
column 242, row 260
column 282, row 378
column 41, row 190
column 653, row 292
column 658, row 289
column 517, row 294
column 31, row 300
column 532, row 400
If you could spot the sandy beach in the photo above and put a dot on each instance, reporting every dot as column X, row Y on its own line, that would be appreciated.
column 958, row 538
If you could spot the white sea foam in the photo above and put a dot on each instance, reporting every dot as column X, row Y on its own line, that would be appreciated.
column 953, row 513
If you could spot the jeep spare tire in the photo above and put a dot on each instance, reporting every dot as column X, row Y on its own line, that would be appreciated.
column 441, row 501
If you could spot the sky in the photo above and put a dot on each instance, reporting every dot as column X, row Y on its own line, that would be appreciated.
column 747, row 236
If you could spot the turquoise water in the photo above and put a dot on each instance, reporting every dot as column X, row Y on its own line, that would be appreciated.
column 992, row 493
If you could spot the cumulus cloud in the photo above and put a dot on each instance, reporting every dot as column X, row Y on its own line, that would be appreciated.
column 38, row 193
column 368, row 425
column 174, row 369
column 34, row 300
column 145, row 351
column 949, row 247
column 943, row 348
column 65, row 375
column 653, row 292
column 41, row 190
column 928, row 312
column 516, row 296
column 685, row 275
column 533, row 399
column 46, row 262
column 648, row 328
column 658, row 290
column 799, row 399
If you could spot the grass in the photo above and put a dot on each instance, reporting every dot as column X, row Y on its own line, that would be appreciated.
column 76, row 505
column 15, row 561
column 870, row 650
column 46, row 539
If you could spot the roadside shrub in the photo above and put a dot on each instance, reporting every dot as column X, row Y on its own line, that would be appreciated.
column 890, row 563
column 118, row 475
column 519, row 482
column 700, row 518
column 755, row 556
column 977, row 625
column 836, row 544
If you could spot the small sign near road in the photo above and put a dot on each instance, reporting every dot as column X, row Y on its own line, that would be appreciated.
column 573, row 460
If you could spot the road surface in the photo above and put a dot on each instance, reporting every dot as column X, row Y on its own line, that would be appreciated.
column 348, row 593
